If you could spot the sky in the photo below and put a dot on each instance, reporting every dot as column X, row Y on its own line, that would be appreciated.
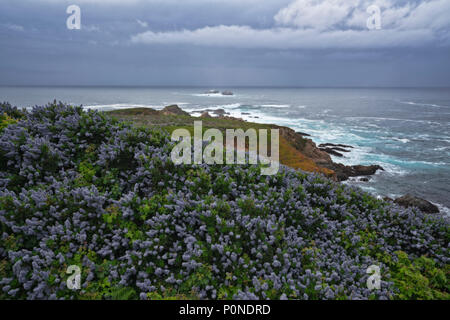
column 304, row 43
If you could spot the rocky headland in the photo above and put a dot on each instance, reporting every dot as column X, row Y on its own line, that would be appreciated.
column 297, row 149
column 300, row 146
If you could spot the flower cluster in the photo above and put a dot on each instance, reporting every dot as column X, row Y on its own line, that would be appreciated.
column 80, row 188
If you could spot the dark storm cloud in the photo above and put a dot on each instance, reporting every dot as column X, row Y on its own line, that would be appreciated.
column 246, row 42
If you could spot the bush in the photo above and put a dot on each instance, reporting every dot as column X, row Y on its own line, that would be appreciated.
column 78, row 188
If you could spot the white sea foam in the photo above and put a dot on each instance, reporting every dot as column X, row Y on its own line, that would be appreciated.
column 122, row 106
column 177, row 103
column 366, row 156
column 404, row 140
column 200, row 109
column 276, row 105
column 441, row 148
column 443, row 209
column 213, row 95
column 393, row 119
column 424, row 104
column 419, row 162
column 392, row 169
column 227, row 106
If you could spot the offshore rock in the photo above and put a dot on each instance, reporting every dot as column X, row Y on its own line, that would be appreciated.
column 412, row 201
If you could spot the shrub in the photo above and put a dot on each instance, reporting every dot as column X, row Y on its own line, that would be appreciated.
column 78, row 188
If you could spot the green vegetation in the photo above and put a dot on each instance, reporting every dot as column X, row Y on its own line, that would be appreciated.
column 289, row 148
column 79, row 188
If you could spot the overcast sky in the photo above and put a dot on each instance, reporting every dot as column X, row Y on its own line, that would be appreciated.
column 225, row 42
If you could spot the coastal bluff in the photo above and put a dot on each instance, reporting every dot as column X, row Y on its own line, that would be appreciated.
column 296, row 149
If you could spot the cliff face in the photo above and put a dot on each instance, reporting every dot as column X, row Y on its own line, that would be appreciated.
column 301, row 153
column 294, row 158
column 306, row 148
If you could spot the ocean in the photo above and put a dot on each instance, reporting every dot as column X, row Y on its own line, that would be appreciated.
column 405, row 130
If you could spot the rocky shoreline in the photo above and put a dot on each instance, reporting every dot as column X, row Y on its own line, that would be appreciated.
column 321, row 156
column 301, row 146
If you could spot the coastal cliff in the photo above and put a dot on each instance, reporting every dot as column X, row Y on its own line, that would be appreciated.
column 296, row 151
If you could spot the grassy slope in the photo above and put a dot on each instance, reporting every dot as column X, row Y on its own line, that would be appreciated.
column 289, row 153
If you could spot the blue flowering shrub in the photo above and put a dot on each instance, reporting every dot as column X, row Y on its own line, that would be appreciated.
column 9, row 115
column 80, row 188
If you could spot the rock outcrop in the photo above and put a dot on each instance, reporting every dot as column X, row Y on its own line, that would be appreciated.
column 332, row 145
column 305, row 146
column 302, row 152
column 220, row 112
column 334, row 149
column 174, row 110
column 412, row 201
column 322, row 158
column 332, row 152
column 343, row 172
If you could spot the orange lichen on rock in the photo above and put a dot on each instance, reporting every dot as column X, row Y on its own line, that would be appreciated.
column 293, row 158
